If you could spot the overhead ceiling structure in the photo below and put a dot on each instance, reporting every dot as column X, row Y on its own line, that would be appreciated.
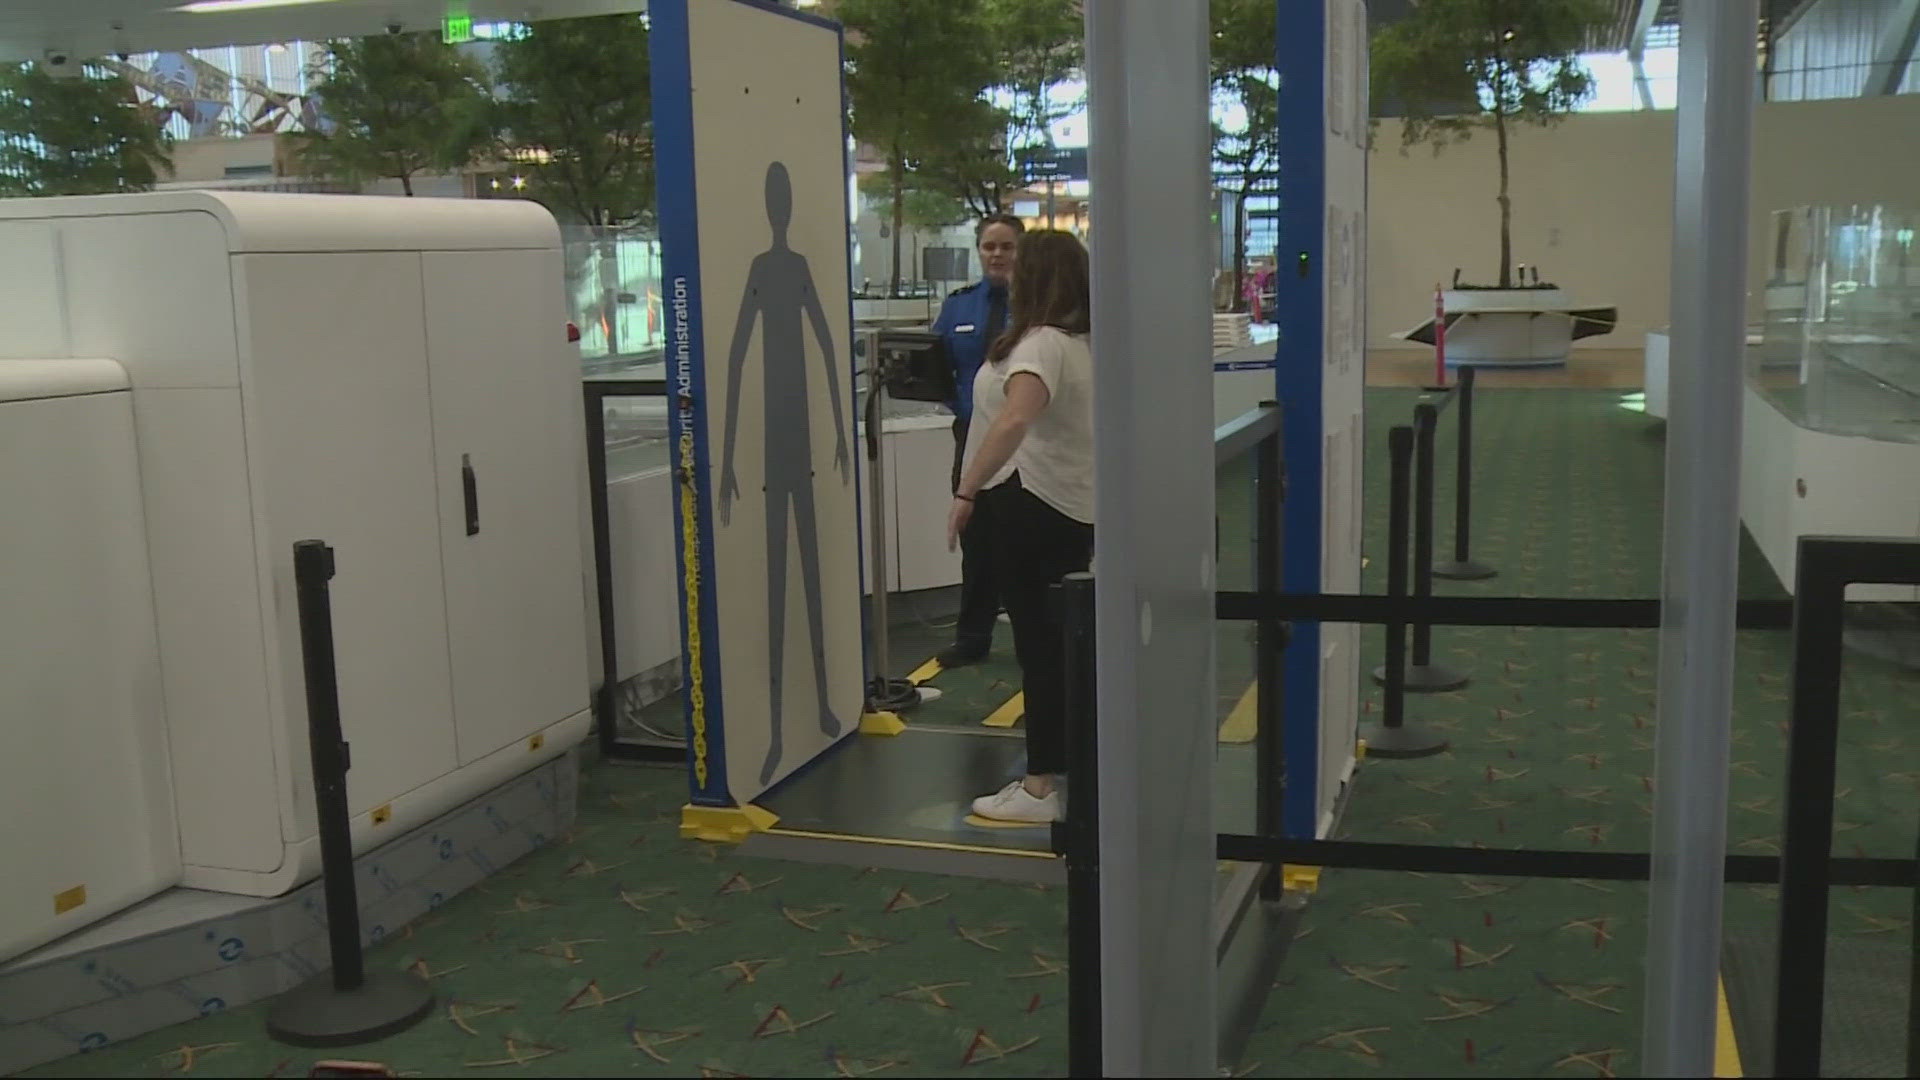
column 72, row 31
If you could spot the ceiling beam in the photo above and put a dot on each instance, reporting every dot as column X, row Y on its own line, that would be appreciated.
column 1643, row 17
column 1894, row 52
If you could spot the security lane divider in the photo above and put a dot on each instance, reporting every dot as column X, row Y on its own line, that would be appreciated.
column 1557, row 613
column 1825, row 567
column 1805, row 871
column 1463, row 567
column 1393, row 737
column 1077, row 838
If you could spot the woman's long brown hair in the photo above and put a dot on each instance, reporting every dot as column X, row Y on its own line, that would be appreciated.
column 1050, row 288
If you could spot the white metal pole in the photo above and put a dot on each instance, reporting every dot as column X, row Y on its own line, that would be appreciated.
column 1701, row 575
column 1154, row 493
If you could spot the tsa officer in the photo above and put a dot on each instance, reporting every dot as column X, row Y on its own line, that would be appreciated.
column 969, row 320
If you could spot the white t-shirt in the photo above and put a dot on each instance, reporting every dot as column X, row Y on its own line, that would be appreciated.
column 1055, row 460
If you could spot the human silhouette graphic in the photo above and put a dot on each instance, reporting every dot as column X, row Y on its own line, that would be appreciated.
column 779, row 289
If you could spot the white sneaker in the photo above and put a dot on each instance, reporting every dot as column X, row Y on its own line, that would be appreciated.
column 1014, row 803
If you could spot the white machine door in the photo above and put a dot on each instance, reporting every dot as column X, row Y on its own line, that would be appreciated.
column 85, row 788
column 506, row 424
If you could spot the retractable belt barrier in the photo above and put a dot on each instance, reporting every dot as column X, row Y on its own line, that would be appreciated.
column 1805, row 870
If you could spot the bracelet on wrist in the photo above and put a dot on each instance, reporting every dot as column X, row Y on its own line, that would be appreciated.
column 963, row 498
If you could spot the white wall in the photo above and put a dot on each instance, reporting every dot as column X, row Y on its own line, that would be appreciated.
column 1593, row 203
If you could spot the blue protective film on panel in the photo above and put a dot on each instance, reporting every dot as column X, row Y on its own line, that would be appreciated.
column 670, row 52
column 1300, row 58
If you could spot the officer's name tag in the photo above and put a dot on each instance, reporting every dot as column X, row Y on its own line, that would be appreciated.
column 964, row 328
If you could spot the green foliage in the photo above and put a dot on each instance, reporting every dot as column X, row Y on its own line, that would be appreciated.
column 398, row 105
column 1454, row 65
column 1039, row 44
column 1241, row 61
column 1242, row 69
column 922, row 208
column 914, row 68
column 576, row 106
column 1457, row 65
column 87, row 135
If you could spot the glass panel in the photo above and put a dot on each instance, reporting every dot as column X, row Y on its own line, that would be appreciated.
column 613, row 296
column 1840, row 349
column 646, row 702
column 1236, row 715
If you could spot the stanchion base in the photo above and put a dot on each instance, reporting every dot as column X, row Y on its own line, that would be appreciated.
column 1409, row 740
column 1427, row 679
column 316, row 1014
column 891, row 695
column 1464, row 571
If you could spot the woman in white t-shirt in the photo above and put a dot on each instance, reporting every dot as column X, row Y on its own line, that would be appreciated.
column 1028, row 484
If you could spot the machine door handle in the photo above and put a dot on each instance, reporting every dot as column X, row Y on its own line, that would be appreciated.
column 471, row 487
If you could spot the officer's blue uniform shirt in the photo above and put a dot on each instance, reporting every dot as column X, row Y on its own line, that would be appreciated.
column 964, row 324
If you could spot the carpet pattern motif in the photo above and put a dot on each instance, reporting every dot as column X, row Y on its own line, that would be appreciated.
column 622, row 950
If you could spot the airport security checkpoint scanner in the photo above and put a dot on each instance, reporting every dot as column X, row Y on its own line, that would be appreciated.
column 912, row 365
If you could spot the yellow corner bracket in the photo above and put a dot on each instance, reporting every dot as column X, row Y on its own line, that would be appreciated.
column 724, row 824
column 881, row 723
column 1304, row 879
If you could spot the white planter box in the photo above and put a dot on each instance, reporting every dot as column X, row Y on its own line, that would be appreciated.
column 1513, row 327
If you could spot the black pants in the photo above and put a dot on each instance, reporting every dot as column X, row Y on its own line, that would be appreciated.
column 1034, row 547
column 979, row 595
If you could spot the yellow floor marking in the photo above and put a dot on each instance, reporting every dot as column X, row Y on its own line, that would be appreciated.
column 979, row 822
column 925, row 672
column 1009, row 714
column 1726, row 1049
column 928, row 845
column 1243, row 723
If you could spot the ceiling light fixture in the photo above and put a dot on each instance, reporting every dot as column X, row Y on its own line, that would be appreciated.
column 207, row 7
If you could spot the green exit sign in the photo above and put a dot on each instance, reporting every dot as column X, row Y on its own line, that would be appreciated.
column 456, row 29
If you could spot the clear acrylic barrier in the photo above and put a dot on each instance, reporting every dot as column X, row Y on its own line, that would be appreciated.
column 1840, row 346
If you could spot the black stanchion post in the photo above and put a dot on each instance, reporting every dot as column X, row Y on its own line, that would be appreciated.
column 345, row 1007
column 1393, row 737
column 1913, row 979
column 1423, row 675
column 1270, row 637
column 1819, row 600
column 1078, row 838
column 1462, row 567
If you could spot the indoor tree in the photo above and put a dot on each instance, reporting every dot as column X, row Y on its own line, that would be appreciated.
column 82, row 134
column 576, row 111
column 395, row 106
column 1040, row 45
column 1242, row 69
column 969, row 164
column 1456, row 65
column 913, row 67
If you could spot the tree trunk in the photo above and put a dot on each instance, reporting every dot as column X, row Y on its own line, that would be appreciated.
column 1240, row 250
column 1506, row 205
column 899, row 216
column 406, row 184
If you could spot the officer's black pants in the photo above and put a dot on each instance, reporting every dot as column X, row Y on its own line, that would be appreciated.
column 1034, row 548
column 979, row 595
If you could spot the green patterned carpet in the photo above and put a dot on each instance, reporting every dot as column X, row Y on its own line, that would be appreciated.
column 622, row 950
